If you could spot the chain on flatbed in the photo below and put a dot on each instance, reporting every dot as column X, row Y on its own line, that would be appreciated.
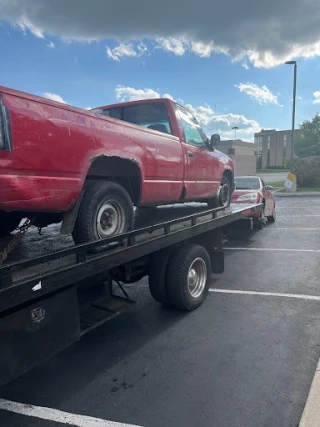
column 22, row 229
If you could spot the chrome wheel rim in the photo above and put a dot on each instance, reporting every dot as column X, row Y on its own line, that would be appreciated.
column 197, row 277
column 224, row 195
column 110, row 219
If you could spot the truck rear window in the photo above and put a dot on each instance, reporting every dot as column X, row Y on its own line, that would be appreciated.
column 152, row 116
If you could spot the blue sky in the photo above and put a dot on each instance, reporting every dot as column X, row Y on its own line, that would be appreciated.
column 221, row 89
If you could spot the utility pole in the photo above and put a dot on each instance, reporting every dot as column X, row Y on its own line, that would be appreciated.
column 294, row 63
column 235, row 132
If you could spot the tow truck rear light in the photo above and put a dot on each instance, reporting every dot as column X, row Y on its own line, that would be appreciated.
column 5, row 128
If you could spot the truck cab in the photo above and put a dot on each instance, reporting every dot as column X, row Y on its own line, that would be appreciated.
column 185, row 154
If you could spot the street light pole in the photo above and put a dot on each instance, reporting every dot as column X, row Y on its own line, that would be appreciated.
column 235, row 132
column 294, row 63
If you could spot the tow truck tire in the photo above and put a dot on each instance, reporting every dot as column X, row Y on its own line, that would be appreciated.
column 188, row 277
column 158, row 276
column 224, row 197
column 106, row 210
column 9, row 221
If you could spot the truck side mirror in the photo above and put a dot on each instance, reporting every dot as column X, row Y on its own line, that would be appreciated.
column 214, row 140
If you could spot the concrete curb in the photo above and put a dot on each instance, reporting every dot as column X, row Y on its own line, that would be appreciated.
column 311, row 412
column 300, row 194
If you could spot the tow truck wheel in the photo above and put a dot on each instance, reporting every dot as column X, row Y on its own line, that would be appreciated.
column 158, row 275
column 224, row 197
column 105, row 211
column 9, row 221
column 188, row 277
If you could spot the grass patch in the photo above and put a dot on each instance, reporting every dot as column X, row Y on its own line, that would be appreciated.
column 303, row 190
column 276, row 183
column 265, row 171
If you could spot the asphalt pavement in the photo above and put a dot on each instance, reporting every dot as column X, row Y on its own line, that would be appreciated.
column 245, row 358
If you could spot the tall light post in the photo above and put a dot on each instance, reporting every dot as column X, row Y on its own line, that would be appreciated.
column 235, row 132
column 294, row 63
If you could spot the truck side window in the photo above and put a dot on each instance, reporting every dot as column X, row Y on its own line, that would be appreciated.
column 193, row 133
column 115, row 113
column 151, row 115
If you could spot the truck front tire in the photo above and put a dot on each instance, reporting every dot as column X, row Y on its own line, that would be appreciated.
column 188, row 277
column 223, row 199
column 106, row 210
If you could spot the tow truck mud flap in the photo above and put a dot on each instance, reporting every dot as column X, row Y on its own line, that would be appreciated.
column 36, row 332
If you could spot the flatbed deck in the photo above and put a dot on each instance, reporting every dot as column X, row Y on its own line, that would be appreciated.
column 49, row 298
column 72, row 264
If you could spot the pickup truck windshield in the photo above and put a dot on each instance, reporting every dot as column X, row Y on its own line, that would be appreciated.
column 192, row 130
column 151, row 115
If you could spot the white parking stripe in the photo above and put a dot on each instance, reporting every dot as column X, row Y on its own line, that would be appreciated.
column 267, row 294
column 295, row 216
column 293, row 228
column 57, row 416
column 272, row 249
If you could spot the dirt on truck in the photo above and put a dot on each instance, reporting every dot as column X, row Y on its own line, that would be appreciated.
column 87, row 169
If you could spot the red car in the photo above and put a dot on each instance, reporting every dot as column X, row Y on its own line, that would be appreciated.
column 252, row 189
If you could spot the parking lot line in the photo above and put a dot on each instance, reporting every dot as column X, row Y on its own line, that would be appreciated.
column 295, row 216
column 267, row 294
column 272, row 249
column 57, row 416
column 294, row 228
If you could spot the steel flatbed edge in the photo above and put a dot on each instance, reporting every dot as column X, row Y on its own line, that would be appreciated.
column 22, row 282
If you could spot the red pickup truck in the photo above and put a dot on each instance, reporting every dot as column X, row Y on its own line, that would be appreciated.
column 89, row 168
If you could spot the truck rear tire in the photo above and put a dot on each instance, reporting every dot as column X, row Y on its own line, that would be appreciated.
column 106, row 210
column 158, row 275
column 188, row 277
column 9, row 221
column 223, row 199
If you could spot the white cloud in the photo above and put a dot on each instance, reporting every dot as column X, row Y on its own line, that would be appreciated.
column 266, row 33
column 125, row 50
column 51, row 45
column 245, row 65
column 316, row 97
column 167, row 95
column 124, row 93
column 54, row 97
column 204, row 114
column 203, row 50
column 261, row 94
column 25, row 24
column 178, row 46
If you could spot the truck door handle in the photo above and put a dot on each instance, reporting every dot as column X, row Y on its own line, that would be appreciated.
column 190, row 154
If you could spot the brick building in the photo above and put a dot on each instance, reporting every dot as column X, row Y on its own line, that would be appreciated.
column 272, row 147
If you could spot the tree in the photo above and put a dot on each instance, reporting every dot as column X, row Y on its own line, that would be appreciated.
column 307, row 140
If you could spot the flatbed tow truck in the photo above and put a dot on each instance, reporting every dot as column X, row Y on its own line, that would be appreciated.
column 49, row 301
